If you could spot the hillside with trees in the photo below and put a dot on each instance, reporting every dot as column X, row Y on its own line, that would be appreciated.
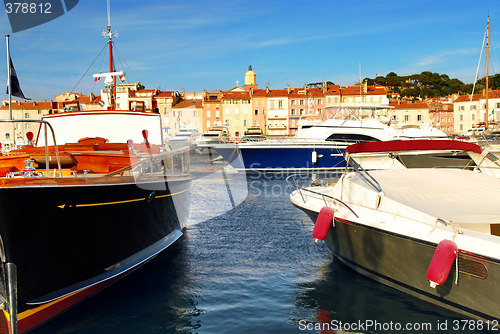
column 427, row 84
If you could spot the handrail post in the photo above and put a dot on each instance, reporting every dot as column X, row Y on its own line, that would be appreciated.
column 47, row 167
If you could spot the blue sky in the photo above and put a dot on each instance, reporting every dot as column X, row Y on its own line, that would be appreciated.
column 196, row 45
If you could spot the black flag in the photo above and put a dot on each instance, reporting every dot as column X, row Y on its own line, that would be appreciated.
column 14, row 83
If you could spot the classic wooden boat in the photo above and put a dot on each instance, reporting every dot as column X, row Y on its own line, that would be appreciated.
column 83, row 205
column 432, row 233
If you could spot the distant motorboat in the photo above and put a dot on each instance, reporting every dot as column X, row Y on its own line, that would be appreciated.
column 254, row 133
column 185, row 137
column 205, row 143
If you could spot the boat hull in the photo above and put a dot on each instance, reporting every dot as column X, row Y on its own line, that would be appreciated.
column 281, row 158
column 70, row 239
column 402, row 262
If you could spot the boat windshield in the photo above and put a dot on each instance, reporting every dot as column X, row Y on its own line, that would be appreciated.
column 350, row 137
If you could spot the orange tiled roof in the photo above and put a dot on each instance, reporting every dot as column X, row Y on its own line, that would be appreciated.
column 418, row 105
column 188, row 103
column 165, row 94
column 30, row 105
column 357, row 90
column 236, row 96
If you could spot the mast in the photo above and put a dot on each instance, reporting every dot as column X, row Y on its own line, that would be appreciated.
column 487, row 64
column 9, row 83
column 109, row 34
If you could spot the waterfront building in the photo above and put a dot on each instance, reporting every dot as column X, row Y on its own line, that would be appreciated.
column 186, row 114
column 16, row 133
column 304, row 103
column 363, row 94
column 164, row 102
column 212, row 114
column 466, row 112
column 259, row 108
column 332, row 96
column 277, row 113
column 411, row 114
column 236, row 108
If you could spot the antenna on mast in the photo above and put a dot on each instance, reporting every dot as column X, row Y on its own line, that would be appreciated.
column 109, row 16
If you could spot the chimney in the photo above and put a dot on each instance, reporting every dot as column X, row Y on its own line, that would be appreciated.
column 267, row 90
column 365, row 86
column 288, row 89
column 325, row 87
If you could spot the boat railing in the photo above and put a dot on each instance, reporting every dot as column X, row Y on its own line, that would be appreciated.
column 170, row 163
column 285, row 141
column 293, row 180
column 45, row 125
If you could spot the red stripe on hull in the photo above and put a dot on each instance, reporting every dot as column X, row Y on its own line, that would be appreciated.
column 33, row 318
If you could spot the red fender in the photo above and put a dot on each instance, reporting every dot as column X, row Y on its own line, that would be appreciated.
column 444, row 255
column 323, row 222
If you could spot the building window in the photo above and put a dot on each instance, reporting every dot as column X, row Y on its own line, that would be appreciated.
column 245, row 111
column 301, row 102
column 419, row 118
column 473, row 107
column 301, row 112
column 271, row 104
column 292, row 102
column 256, row 111
column 407, row 118
column 26, row 115
column 319, row 112
column 217, row 113
column 27, row 126
column 319, row 102
column 208, row 124
column 208, row 113
column 473, row 117
column 236, row 111
column 280, row 104
column 173, row 113
column 227, row 111
column 195, row 113
column 461, row 127
column 461, row 117
column 245, row 122
column 292, row 112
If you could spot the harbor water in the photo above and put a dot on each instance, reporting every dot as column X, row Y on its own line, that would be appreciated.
column 247, row 263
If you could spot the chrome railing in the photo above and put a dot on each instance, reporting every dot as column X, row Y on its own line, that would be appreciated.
column 45, row 125
column 171, row 163
column 315, row 182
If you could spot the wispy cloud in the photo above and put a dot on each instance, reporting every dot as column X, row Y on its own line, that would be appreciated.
column 445, row 56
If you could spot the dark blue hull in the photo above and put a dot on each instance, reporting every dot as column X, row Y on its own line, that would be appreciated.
column 282, row 158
